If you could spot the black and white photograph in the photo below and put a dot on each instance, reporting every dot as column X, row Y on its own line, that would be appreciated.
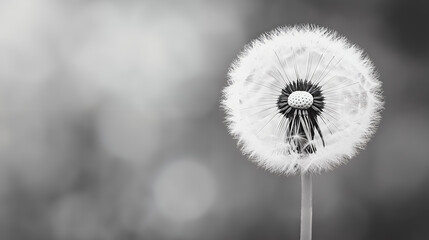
column 214, row 120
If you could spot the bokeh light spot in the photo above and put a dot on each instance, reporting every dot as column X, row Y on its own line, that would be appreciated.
column 185, row 190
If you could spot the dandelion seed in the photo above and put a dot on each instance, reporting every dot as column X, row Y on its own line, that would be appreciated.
column 302, row 99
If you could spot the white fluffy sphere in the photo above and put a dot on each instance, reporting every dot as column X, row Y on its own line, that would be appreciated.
column 302, row 133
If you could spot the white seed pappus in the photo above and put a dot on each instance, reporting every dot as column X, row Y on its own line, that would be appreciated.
column 276, row 125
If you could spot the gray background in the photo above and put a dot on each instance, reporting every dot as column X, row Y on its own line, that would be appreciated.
column 110, row 126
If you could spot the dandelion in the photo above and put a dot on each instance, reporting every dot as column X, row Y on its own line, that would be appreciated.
column 302, row 99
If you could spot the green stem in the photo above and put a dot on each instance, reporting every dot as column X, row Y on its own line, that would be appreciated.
column 306, row 205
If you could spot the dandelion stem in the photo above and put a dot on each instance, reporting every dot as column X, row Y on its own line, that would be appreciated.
column 306, row 205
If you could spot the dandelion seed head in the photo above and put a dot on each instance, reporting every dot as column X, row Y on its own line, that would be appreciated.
column 302, row 99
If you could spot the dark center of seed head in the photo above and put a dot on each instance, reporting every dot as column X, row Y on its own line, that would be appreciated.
column 300, row 100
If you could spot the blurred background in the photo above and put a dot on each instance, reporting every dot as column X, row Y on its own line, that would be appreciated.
column 110, row 126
